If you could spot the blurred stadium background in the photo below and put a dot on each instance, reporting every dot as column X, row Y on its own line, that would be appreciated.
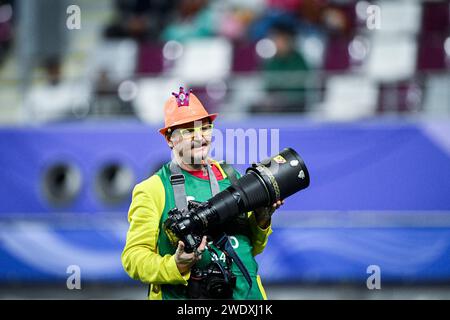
column 367, row 108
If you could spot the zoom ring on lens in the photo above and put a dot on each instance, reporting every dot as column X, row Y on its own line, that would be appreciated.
column 273, row 181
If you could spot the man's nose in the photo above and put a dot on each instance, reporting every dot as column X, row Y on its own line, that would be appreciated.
column 198, row 135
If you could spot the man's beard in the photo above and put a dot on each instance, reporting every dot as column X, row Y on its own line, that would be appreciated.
column 194, row 159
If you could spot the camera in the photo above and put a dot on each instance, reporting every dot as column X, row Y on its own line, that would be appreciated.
column 215, row 282
column 263, row 184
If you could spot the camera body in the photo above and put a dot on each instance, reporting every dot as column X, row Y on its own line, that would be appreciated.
column 187, row 226
column 214, row 282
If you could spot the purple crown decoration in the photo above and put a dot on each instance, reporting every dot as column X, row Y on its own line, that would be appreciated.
column 182, row 97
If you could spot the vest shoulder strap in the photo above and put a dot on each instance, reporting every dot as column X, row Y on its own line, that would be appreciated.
column 179, row 191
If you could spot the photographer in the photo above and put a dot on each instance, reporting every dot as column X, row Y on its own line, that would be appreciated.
column 149, row 255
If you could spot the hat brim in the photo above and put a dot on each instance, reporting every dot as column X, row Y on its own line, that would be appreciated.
column 211, row 116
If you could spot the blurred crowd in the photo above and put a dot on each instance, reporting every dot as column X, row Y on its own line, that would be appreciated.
column 182, row 20
column 283, row 22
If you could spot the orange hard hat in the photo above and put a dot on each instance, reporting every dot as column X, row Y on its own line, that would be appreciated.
column 183, row 107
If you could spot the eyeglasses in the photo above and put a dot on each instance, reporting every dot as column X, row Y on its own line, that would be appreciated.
column 205, row 130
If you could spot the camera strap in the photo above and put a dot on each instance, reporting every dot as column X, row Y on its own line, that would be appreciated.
column 224, row 244
column 219, row 265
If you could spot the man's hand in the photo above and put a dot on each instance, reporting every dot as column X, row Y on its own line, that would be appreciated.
column 263, row 215
column 186, row 260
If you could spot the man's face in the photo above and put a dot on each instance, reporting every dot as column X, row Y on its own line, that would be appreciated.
column 192, row 145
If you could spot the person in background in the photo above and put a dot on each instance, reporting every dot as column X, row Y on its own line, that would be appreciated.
column 285, row 74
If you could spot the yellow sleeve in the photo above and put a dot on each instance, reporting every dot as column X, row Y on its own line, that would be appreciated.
column 140, row 257
column 259, row 236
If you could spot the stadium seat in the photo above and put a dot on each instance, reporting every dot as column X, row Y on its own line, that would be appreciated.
column 400, row 97
column 150, row 59
column 349, row 97
column 152, row 94
column 436, row 16
column 190, row 67
column 240, row 100
column 245, row 58
column 431, row 54
column 392, row 57
column 437, row 95
column 115, row 57
column 337, row 57
column 402, row 16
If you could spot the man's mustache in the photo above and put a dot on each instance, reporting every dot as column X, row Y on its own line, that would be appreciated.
column 198, row 144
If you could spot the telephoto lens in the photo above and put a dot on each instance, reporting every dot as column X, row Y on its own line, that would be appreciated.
column 264, row 183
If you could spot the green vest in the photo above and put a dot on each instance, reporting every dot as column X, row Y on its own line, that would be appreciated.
column 200, row 190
